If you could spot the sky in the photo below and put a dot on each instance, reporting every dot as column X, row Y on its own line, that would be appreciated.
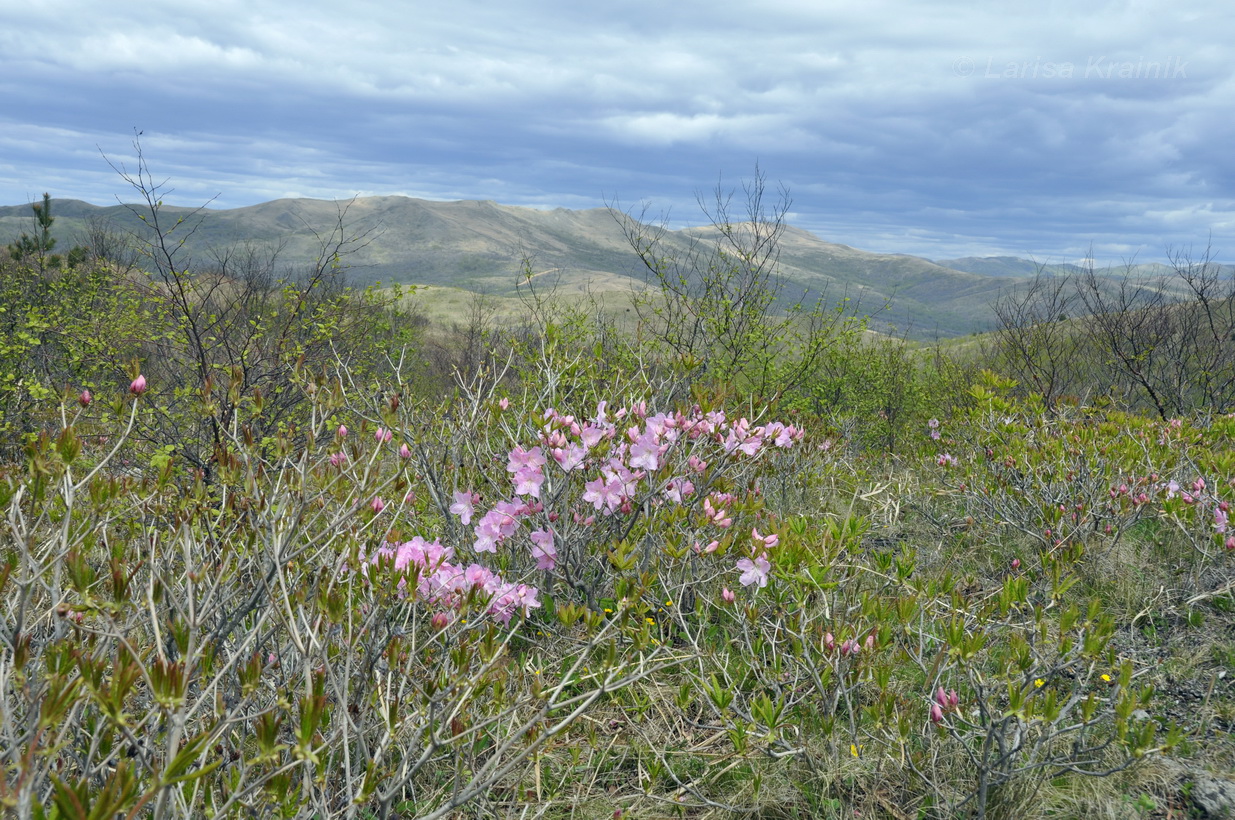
column 941, row 129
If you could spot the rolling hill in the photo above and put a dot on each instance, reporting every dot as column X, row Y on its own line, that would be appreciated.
column 482, row 246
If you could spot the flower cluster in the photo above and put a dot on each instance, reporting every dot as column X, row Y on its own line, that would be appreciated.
column 623, row 459
column 446, row 584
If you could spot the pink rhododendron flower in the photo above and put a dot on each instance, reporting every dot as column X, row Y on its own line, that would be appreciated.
column 138, row 385
column 645, row 453
column 543, row 550
column 463, row 506
column 338, row 459
column 404, row 451
column 754, row 571
column 85, row 398
column 521, row 459
column 727, row 595
column 377, row 504
column 341, row 432
column 528, row 481
column 383, row 435
column 768, row 540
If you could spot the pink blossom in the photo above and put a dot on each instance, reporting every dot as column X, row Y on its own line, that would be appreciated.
column 338, row 459
column 440, row 620
column 463, row 506
column 768, row 540
column 754, row 572
column 341, row 432
column 525, row 459
column 936, row 713
column 727, row 595
column 503, row 402
column 528, row 481
column 404, row 451
column 601, row 492
column 570, row 457
column 645, row 453
column 543, row 550
column 85, row 398
column 377, row 504
column 1220, row 520
column 383, row 435
column 138, row 385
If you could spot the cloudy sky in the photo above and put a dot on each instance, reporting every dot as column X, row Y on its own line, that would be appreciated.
column 1023, row 127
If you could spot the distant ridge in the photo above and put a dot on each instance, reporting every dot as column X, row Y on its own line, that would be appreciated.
column 481, row 246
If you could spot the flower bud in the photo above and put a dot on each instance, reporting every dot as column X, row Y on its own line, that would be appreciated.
column 936, row 713
column 377, row 504
column 727, row 595
column 440, row 620
column 85, row 398
column 341, row 432
column 138, row 386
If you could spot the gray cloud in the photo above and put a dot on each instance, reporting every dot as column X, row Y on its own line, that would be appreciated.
column 948, row 129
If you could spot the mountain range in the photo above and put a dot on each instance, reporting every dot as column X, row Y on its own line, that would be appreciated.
column 485, row 247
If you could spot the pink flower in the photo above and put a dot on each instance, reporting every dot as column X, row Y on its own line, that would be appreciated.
column 754, row 572
column 1220, row 520
column 341, row 432
column 829, row 641
column 543, row 550
column 528, row 481
column 503, row 402
column 645, row 453
column 404, row 451
column 463, row 507
column 383, row 435
column 440, row 620
column 138, row 385
column 525, row 459
column 377, row 504
column 727, row 595
column 1016, row 563
column 338, row 459
column 769, row 540
column 936, row 713
column 85, row 398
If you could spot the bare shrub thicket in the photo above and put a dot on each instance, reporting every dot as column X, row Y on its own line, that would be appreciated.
column 1162, row 343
